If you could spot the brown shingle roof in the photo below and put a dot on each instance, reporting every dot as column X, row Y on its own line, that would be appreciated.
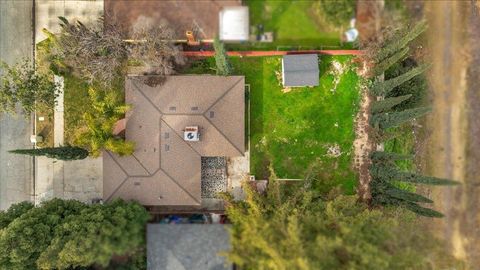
column 165, row 169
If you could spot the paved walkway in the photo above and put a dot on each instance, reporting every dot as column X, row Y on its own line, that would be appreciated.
column 80, row 179
column 16, row 42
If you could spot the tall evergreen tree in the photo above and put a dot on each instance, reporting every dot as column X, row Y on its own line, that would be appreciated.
column 60, row 153
column 382, row 88
column 221, row 59
column 400, row 40
column 393, row 119
column 387, row 104
column 379, row 157
column 385, row 64
column 304, row 231
column 422, row 211
column 95, row 235
column 25, row 238
column 422, row 179
column 406, row 196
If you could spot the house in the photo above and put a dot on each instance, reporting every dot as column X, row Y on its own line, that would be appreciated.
column 187, row 246
column 300, row 70
column 183, row 127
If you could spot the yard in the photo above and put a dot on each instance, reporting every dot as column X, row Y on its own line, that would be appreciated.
column 292, row 132
column 296, row 24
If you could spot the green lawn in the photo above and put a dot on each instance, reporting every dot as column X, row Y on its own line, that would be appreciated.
column 296, row 24
column 291, row 132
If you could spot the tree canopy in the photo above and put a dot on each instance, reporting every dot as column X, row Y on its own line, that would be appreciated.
column 67, row 234
column 23, row 84
column 307, row 231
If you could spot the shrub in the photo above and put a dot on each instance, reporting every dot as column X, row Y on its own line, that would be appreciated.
column 107, row 109
column 337, row 12
column 221, row 59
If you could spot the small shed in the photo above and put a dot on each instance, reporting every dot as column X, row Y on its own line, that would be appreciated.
column 234, row 23
column 300, row 70
column 187, row 246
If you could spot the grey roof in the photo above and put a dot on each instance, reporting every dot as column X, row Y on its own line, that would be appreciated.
column 187, row 246
column 300, row 70
column 164, row 169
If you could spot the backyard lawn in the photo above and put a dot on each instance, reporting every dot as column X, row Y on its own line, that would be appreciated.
column 292, row 132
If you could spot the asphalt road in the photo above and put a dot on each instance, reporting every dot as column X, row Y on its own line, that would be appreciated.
column 15, row 44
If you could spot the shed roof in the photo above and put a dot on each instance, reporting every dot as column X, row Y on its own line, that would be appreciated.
column 234, row 23
column 187, row 246
column 300, row 70
column 164, row 168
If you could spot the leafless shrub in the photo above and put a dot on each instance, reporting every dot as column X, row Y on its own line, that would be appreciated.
column 96, row 52
column 154, row 46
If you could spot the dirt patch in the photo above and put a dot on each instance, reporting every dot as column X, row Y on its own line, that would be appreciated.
column 363, row 146
column 451, row 149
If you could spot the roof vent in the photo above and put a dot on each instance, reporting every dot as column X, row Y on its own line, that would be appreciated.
column 173, row 108
column 212, row 114
column 191, row 134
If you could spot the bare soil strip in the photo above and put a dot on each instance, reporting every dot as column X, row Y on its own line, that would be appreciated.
column 453, row 126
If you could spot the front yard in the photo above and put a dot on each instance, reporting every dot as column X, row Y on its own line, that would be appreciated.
column 306, row 131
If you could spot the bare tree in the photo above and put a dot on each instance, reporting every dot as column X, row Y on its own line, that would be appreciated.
column 96, row 52
column 154, row 46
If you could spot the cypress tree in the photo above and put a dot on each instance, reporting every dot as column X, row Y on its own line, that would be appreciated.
column 422, row 179
column 221, row 59
column 422, row 211
column 406, row 196
column 60, row 153
column 388, row 103
column 388, row 120
column 380, row 157
column 383, row 65
column 382, row 88
column 400, row 40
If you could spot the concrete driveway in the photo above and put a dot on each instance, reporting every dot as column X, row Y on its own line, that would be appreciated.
column 16, row 38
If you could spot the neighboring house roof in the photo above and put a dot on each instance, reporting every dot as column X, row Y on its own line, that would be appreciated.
column 198, row 16
column 187, row 246
column 234, row 23
column 165, row 169
column 300, row 70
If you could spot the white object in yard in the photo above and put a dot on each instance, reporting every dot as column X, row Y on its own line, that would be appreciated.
column 352, row 33
column 36, row 138
column 234, row 23
column 191, row 134
column 41, row 118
